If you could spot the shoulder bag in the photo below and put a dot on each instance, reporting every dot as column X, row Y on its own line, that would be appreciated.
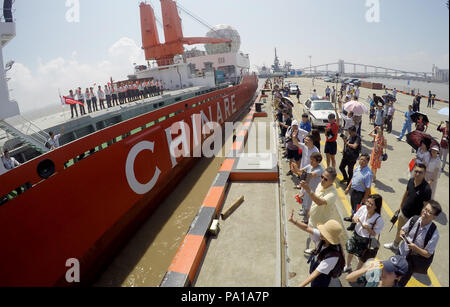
column 372, row 247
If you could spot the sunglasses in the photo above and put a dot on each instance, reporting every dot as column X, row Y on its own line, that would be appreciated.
column 418, row 172
column 324, row 178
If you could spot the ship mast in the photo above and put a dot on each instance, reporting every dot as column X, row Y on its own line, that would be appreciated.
column 7, row 33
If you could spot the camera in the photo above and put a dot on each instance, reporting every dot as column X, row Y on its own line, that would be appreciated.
column 303, row 176
column 329, row 134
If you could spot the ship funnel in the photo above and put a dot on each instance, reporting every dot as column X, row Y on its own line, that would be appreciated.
column 150, row 36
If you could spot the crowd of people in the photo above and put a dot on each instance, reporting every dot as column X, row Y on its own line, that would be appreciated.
column 114, row 95
column 417, row 236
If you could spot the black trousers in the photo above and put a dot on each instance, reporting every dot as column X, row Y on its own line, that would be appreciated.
column 72, row 108
column 82, row 109
column 389, row 123
column 94, row 104
column 350, row 163
column 102, row 104
column 108, row 101
column 89, row 106
column 355, row 199
column 114, row 99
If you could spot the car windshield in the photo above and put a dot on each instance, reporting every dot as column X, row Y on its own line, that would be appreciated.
column 321, row 106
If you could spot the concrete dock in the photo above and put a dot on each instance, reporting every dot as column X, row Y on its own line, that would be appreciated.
column 257, row 247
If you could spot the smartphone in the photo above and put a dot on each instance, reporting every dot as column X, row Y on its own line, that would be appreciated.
column 405, row 239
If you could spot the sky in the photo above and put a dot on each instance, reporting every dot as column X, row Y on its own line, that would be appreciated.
column 55, row 50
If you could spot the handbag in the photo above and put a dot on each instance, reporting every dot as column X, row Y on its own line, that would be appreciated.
column 372, row 247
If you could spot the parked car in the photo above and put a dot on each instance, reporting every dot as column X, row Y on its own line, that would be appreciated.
column 293, row 89
column 357, row 82
column 328, row 79
column 318, row 111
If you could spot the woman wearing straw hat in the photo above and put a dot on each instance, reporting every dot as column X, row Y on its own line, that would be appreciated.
column 328, row 260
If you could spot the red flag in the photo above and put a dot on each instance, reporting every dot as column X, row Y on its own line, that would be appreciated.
column 72, row 101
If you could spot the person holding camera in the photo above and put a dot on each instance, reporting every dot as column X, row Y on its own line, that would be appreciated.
column 327, row 261
column 294, row 136
column 369, row 223
column 419, row 239
column 311, row 174
column 359, row 187
column 331, row 133
column 352, row 148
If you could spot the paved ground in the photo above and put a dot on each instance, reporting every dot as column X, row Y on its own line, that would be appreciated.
column 391, row 184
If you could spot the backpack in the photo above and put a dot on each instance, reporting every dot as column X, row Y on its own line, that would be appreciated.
column 333, row 251
column 430, row 231
column 421, row 264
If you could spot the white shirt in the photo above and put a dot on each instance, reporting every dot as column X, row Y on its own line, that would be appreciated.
column 328, row 264
column 348, row 122
column 306, row 154
column 357, row 92
column 80, row 95
column 423, row 157
column 55, row 141
column 433, row 169
column 101, row 94
column 108, row 91
column 10, row 163
column 362, row 215
column 420, row 239
column 391, row 110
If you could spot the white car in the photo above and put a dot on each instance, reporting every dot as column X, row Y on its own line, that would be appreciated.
column 293, row 89
column 318, row 111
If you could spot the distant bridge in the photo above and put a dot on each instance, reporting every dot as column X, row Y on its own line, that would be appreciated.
column 365, row 71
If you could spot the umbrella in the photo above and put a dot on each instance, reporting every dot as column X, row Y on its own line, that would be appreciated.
column 389, row 98
column 378, row 100
column 415, row 138
column 288, row 100
column 356, row 107
column 443, row 111
column 415, row 117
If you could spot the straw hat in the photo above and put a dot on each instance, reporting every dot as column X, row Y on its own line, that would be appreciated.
column 331, row 231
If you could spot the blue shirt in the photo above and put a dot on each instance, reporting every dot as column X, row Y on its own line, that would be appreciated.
column 306, row 127
column 362, row 179
column 408, row 119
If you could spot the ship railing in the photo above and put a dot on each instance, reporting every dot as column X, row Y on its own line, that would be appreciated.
column 28, row 132
column 32, row 130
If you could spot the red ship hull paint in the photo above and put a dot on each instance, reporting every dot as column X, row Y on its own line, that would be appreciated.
column 88, row 210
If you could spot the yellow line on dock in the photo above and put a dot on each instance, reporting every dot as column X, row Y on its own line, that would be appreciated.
column 413, row 282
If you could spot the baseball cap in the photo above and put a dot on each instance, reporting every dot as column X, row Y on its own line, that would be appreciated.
column 294, row 123
column 396, row 264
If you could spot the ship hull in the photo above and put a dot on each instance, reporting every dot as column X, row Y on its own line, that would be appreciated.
column 87, row 211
